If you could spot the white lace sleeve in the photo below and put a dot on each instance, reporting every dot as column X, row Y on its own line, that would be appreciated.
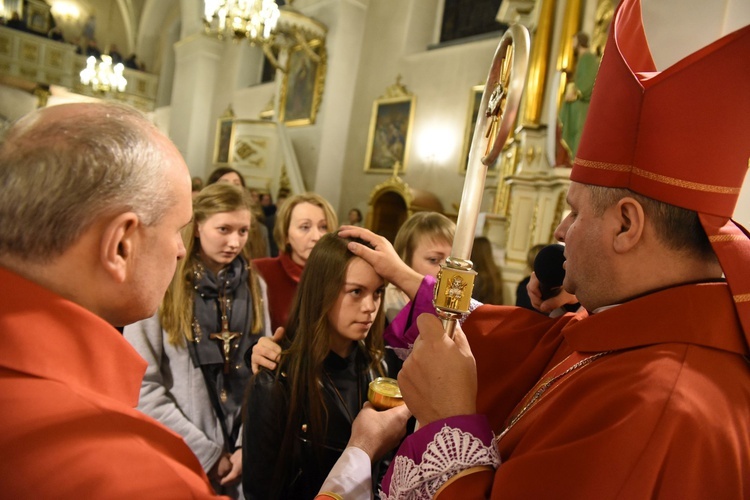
column 450, row 452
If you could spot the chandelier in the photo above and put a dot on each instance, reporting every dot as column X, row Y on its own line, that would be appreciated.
column 103, row 77
column 254, row 20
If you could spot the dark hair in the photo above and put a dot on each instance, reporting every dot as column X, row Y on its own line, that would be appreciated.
column 221, row 172
column 359, row 214
column 488, row 286
column 308, row 344
column 582, row 39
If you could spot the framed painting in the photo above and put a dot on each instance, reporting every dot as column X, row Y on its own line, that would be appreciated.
column 37, row 16
column 223, row 144
column 302, row 86
column 390, row 134
column 475, row 100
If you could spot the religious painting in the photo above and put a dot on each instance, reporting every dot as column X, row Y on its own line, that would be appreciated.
column 390, row 133
column 223, row 140
column 475, row 100
column 37, row 16
column 302, row 86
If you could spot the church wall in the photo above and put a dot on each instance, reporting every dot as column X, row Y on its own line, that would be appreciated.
column 15, row 103
column 440, row 79
column 346, row 21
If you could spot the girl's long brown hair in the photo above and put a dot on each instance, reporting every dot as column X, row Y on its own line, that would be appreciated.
column 488, row 289
column 176, row 310
column 309, row 334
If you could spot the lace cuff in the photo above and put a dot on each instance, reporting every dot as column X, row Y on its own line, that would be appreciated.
column 444, row 448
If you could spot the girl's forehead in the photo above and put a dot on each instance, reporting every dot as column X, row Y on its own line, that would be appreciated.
column 431, row 239
column 358, row 268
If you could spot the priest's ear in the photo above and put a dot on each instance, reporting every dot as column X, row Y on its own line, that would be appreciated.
column 118, row 244
column 631, row 220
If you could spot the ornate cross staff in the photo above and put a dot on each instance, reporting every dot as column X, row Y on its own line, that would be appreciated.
column 225, row 336
column 496, row 116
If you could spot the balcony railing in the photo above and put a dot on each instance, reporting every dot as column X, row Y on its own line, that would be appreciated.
column 30, row 60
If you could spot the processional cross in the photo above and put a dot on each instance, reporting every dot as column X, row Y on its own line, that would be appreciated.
column 495, row 118
column 498, row 100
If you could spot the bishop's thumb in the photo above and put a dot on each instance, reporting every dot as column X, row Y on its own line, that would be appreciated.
column 430, row 327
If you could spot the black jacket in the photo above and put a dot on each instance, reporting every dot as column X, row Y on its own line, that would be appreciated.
column 344, row 384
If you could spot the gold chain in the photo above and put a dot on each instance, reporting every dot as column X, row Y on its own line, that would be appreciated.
column 546, row 385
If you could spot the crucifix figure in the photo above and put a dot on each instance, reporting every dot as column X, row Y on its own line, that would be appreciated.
column 225, row 336
column 498, row 99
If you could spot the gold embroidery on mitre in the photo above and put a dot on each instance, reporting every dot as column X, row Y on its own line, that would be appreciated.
column 726, row 237
column 745, row 297
column 603, row 166
column 695, row 186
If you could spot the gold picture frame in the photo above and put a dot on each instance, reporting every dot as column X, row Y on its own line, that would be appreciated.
column 302, row 85
column 475, row 100
column 38, row 17
column 389, row 138
column 224, row 134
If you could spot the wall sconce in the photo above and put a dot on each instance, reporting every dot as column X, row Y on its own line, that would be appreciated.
column 67, row 11
column 436, row 144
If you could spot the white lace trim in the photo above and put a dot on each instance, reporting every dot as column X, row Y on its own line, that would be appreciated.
column 450, row 452
column 402, row 352
column 473, row 304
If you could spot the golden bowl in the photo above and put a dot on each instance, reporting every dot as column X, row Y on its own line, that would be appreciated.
column 384, row 394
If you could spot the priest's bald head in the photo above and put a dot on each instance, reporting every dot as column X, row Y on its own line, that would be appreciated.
column 94, row 197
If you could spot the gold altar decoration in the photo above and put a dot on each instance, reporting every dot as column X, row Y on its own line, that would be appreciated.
column 566, row 57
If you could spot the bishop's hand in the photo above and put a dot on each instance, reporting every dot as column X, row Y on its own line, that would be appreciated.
column 439, row 378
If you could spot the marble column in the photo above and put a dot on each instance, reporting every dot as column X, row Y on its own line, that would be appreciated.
column 193, row 120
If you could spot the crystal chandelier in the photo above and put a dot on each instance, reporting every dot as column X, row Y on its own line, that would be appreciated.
column 254, row 20
column 104, row 77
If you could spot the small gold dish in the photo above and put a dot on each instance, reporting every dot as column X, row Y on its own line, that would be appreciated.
column 384, row 393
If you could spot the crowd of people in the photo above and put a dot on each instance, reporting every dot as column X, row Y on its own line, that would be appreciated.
column 243, row 368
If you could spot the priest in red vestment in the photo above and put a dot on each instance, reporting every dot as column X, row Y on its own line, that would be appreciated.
column 94, row 198
column 646, row 392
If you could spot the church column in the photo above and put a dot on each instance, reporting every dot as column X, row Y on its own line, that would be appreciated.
column 345, row 20
column 193, row 120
